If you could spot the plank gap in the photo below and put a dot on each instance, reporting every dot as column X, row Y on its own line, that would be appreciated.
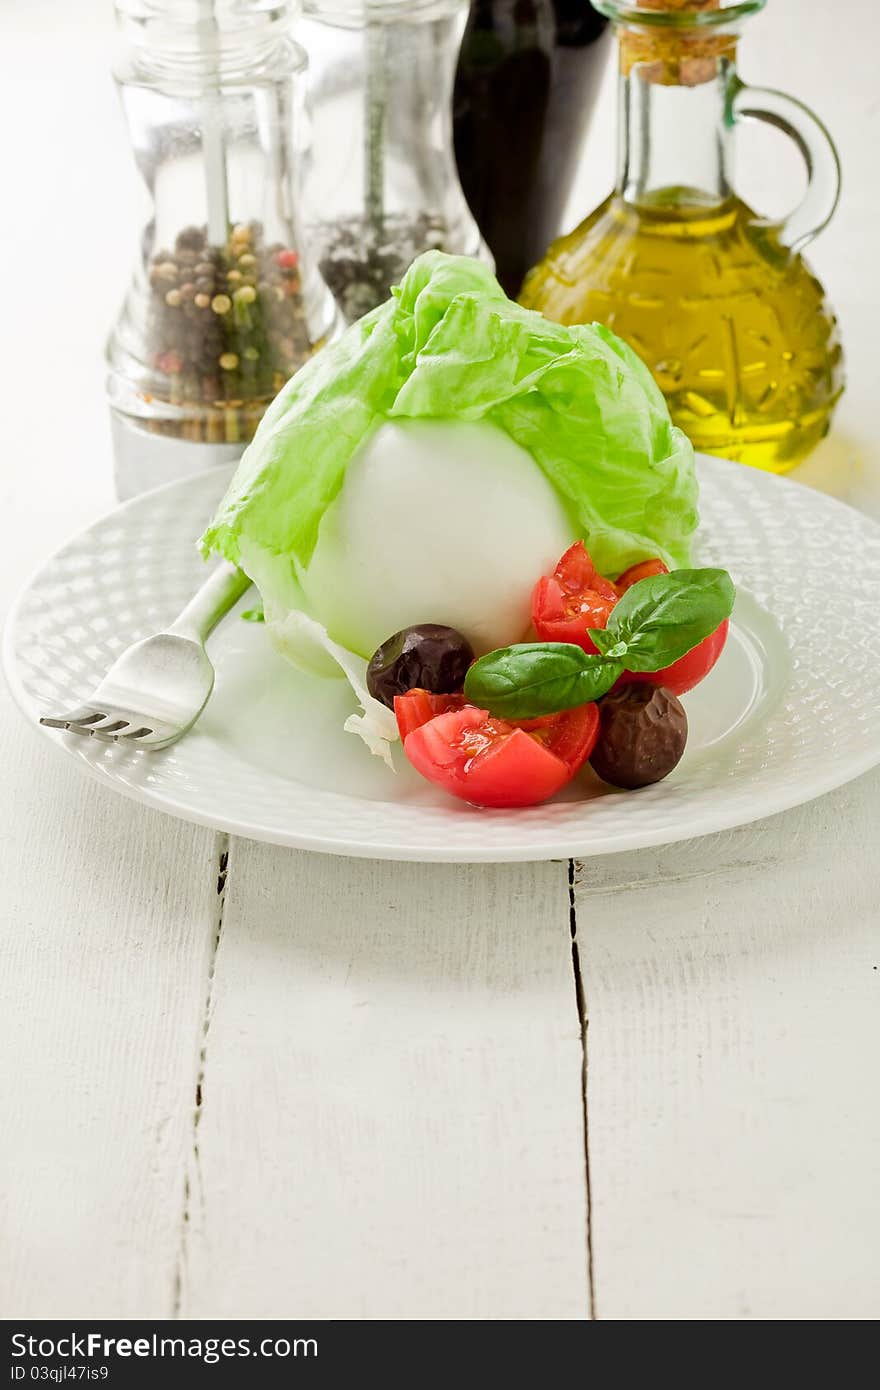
column 193, row 1170
column 582, row 1022
column 395, row 1095
column 732, row 1044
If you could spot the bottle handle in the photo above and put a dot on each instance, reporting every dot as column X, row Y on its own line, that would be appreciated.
column 796, row 120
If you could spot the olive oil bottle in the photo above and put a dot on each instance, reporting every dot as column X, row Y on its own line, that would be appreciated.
column 717, row 301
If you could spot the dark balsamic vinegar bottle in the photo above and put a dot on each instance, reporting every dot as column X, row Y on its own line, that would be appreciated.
column 528, row 75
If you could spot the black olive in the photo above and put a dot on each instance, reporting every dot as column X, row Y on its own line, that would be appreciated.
column 642, row 735
column 429, row 656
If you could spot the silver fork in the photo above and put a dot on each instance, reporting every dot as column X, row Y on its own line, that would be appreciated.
column 157, row 689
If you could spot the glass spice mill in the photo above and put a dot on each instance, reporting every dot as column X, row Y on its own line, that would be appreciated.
column 380, row 178
column 716, row 300
column 223, row 305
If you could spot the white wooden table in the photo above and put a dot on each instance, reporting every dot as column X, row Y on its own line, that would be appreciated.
column 243, row 1081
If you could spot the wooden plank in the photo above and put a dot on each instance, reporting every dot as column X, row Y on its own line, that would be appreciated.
column 108, row 921
column 731, row 985
column 107, row 910
column 391, row 1122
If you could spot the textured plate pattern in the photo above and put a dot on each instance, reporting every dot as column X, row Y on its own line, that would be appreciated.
column 809, row 561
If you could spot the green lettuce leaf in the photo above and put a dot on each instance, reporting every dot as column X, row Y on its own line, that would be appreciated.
column 449, row 344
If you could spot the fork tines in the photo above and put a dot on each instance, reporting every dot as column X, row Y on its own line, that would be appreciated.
column 108, row 726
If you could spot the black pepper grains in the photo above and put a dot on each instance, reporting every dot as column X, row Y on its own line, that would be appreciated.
column 227, row 329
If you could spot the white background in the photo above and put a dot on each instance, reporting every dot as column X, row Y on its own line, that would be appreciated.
column 357, row 1090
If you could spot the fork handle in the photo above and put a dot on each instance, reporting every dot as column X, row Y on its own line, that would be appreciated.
column 223, row 587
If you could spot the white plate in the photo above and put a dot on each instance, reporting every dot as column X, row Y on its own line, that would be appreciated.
column 791, row 710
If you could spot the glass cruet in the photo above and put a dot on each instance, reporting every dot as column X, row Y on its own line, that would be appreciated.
column 381, row 183
column 224, row 303
column 718, row 301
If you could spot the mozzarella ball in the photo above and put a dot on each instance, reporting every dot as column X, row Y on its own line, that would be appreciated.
column 437, row 521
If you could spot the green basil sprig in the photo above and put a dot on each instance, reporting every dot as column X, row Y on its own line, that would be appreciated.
column 535, row 678
column 662, row 618
column 657, row 621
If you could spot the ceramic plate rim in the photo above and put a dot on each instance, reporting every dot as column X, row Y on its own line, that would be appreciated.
column 554, row 845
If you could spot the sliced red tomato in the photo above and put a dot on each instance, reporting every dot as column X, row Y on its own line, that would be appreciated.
column 645, row 569
column 690, row 669
column 572, row 599
column 542, row 721
column 417, row 706
column 570, row 735
column 575, row 598
column 491, row 762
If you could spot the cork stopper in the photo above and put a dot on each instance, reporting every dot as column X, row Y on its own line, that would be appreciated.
column 676, row 56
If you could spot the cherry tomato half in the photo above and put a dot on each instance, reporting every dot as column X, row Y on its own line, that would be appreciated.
column 417, row 706
column 689, row 670
column 645, row 569
column 491, row 762
column 562, row 612
column 572, row 599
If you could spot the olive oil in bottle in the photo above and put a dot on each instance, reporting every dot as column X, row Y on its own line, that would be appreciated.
column 718, row 303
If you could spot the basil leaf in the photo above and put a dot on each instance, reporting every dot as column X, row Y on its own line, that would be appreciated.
column 535, row 678
column 663, row 617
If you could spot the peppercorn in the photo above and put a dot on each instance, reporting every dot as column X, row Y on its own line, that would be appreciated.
column 245, row 348
column 191, row 238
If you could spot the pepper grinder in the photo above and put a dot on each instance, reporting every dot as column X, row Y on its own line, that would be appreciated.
column 224, row 304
